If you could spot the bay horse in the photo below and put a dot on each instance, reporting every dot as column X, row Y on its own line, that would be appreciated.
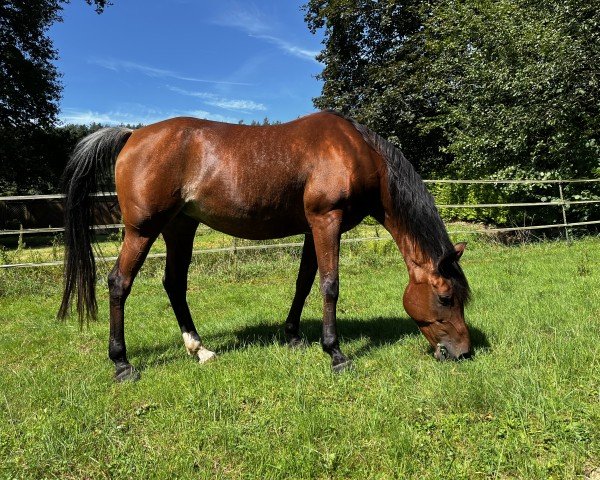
column 319, row 175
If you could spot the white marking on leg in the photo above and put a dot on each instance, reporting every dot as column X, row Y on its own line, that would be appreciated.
column 194, row 347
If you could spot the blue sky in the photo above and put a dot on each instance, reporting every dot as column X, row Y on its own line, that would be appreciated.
column 142, row 61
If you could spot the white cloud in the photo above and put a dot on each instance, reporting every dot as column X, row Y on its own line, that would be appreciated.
column 248, row 18
column 211, row 116
column 290, row 48
column 182, row 91
column 236, row 105
column 134, row 115
column 251, row 20
column 128, row 66
column 84, row 117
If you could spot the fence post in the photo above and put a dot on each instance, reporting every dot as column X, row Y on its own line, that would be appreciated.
column 564, row 211
column 20, row 242
column 235, row 257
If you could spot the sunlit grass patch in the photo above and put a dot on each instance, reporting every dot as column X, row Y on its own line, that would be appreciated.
column 527, row 406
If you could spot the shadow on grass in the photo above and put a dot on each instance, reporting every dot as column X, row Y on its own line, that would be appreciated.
column 160, row 353
column 377, row 332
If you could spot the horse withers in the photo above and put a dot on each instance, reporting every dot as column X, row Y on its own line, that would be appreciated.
column 319, row 175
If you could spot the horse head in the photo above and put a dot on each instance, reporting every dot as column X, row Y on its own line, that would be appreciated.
column 435, row 299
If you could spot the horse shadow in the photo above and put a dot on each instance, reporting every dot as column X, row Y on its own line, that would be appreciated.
column 373, row 332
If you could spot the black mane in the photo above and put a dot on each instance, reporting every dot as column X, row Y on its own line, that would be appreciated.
column 415, row 207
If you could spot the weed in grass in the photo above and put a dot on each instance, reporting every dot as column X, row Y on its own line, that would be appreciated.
column 584, row 265
column 4, row 255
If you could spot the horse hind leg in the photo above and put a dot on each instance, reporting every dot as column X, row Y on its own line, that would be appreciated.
column 179, row 238
column 306, row 277
column 133, row 253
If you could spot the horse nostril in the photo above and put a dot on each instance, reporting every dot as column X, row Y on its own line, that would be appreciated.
column 442, row 352
column 465, row 356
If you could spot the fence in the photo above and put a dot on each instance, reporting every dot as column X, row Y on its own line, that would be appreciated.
column 32, row 208
column 43, row 214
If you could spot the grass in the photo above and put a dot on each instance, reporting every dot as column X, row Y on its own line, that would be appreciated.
column 527, row 406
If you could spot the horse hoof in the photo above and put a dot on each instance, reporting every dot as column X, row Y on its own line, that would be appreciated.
column 342, row 366
column 127, row 374
column 205, row 355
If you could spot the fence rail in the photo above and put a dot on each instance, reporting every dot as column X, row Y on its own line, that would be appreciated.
column 524, row 182
column 116, row 226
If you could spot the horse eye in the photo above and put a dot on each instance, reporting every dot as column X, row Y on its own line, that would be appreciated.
column 445, row 300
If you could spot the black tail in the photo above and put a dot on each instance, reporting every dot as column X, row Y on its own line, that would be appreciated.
column 90, row 166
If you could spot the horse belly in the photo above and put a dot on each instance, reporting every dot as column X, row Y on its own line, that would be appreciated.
column 250, row 220
column 254, row 191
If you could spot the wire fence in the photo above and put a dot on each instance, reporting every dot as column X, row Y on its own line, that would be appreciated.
column 107, row 207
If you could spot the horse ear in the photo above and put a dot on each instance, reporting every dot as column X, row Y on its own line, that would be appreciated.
column 444, row 264
column 459, row 249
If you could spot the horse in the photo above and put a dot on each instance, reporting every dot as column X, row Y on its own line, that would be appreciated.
column 319, row 175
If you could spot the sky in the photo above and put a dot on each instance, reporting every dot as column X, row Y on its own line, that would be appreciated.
column 142, row 61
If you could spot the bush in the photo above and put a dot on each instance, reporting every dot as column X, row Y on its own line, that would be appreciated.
column 498, row 193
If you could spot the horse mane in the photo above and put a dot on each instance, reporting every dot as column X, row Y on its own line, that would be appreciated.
column 415, row 207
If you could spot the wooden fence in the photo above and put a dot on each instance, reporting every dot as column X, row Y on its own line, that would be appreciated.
column 28, row 213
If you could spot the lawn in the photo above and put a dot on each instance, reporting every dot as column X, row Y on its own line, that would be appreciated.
column 527, row 405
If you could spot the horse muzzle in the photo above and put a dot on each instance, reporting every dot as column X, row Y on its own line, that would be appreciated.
column 442, row 352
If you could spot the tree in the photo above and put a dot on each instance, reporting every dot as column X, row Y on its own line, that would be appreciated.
column 468, row 82
column 371, row 55
column 518, row 95
column 29, row 82
column 29, row 91
column 471, row 88
column 29, row 88
column 518, row 86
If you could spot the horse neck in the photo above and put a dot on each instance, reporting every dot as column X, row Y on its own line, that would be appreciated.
column 412, row 253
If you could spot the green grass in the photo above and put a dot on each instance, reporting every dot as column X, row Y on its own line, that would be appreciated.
column 527, row 406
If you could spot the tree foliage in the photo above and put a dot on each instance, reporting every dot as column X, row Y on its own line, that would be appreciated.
column 29, row 93
column 517, row 85
column 36, row 157
column 470, row 88
column 29, row 82
column 488, row 84
column 29, row 88
column 371, row 72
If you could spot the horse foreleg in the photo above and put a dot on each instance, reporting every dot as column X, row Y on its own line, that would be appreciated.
column 326, row 230
column 179, row 238
column 306, row 277
column 133, row 253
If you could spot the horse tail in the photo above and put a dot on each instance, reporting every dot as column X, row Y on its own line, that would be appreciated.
column 90, row 167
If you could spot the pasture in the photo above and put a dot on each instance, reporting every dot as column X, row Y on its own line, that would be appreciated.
column 527, row 406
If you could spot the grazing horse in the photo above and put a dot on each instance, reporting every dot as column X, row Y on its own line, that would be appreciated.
column 319, row 175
